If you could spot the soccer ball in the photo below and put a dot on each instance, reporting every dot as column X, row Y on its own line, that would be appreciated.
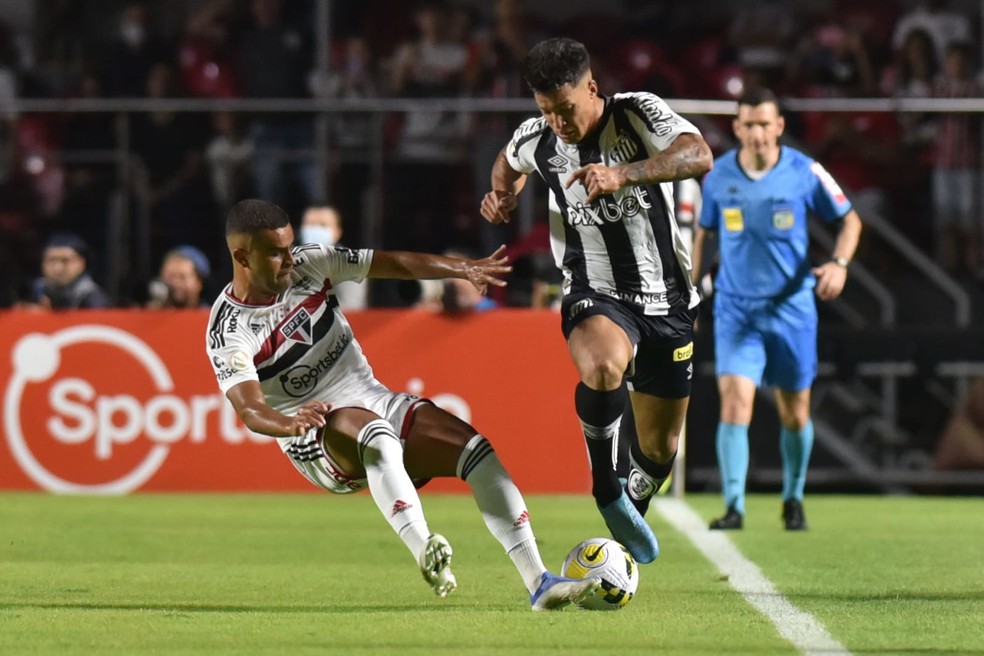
column 609, row 560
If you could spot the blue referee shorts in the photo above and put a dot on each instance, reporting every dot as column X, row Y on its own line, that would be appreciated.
column 772, row 342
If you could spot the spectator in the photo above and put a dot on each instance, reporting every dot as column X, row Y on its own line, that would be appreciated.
column 913, row 75
column 833, row 61
column 350, row 76
column 956, row 188
column 276, row 60
column 230, row 157
column 133, row 54
column 206, row 53
column 64, row 283
column 435, row 65
column 182, row 280
column 761, row 33
column 169, row 145
column 323, row 225
column 499, row 75
column 943, row 26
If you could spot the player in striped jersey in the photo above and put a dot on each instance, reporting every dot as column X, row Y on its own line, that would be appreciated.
column 756, row 201
column 286, row 358
column 629, row 306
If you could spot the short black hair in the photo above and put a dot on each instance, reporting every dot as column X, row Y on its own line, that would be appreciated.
column 755, row 96
column 252, row 215
column 69, row 240
column 553, row 63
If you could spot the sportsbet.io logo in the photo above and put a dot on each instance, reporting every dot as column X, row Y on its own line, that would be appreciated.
column 92, row 409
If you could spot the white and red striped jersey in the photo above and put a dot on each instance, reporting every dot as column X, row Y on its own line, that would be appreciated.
column 300, row 346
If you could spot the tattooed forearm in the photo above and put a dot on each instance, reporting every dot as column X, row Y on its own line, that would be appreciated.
column 687, row 157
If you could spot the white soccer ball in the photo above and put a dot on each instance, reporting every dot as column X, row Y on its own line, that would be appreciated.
column 610, row 561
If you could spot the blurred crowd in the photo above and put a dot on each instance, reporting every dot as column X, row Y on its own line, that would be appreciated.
column 61, row 183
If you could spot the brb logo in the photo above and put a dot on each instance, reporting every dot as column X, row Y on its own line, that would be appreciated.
column 92, row 409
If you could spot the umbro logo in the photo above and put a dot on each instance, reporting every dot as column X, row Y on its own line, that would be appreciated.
column 732, row 190
column 399, row 507
column 558, row 164
column 579, row 307
column 524, row 518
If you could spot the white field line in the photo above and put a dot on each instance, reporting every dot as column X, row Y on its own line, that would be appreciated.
column 797, row 626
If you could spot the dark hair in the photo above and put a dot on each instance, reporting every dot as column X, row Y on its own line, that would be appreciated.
column 756, row 96
column 68, row 240
column 252, row 215
column 197, row 258
column 553, row 63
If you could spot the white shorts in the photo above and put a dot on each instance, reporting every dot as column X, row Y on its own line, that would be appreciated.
column 309, row 456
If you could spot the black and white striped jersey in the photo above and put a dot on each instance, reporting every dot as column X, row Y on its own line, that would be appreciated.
column 299, row 347
column 626, row 245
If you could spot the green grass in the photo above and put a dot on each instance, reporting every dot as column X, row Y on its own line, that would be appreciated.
column 317, row 574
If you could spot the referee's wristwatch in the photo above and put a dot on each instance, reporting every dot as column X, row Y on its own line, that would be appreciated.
column 841, row 261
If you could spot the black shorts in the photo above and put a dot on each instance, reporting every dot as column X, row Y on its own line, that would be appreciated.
column 664, row 345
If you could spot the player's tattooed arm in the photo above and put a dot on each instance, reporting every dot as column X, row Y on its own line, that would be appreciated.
column 688, row 156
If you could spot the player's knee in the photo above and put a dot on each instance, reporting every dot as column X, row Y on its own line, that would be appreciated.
column 661, row 450
column 601, row 373
column 377, row 441
column 796, row 422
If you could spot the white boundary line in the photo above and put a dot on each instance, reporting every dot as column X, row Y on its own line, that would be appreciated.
column 797, row 626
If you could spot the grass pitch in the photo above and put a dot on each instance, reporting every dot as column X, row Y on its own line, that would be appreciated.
column 318, row 574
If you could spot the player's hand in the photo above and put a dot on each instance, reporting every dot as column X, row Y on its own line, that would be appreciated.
column 497, row 205
column 310, row 415
column 489, row 270
column 830, row 280
column 597, row 180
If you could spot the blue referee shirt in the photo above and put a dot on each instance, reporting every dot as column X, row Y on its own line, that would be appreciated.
column 761, row 224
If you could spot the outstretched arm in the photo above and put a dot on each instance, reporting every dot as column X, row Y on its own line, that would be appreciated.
column 688, row 156
column 251, row 406
column 507, row 182
column 403, row 265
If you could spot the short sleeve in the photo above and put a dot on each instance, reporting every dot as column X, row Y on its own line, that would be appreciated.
column 656, row 123
column 232, row 359
column 827, row 199
column 335, row 263
column 520, row 149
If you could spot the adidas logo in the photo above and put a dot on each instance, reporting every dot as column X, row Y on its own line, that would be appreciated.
column 523, row 519
column 399, row 507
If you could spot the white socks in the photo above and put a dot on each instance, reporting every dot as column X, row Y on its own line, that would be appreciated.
column 502, row 507
column 499, row 500
column 381, row 453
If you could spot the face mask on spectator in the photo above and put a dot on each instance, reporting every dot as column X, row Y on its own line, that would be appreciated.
column 316, row 234
column 132, row 33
